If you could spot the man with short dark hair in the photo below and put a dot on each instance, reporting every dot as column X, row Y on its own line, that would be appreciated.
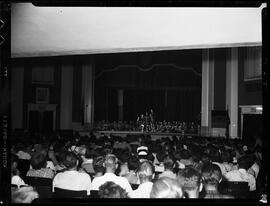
column 190, row 180
column 111, row 165
column 146, row 174
column 71, row 179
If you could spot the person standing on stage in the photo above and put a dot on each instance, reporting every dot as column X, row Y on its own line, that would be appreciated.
column 141, row 122
column 147, row 121
column 152, row 115
column 152, row 119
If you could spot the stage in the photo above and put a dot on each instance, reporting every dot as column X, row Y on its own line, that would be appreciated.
column 154, row 135
column 124, row 134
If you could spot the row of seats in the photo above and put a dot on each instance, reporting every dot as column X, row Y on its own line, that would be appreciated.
column 44, row 188
column 240, row 190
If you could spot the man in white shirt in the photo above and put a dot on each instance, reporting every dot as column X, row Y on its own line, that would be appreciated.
column 71, row 179
column 241, row 175
column 110, row 164
column 146, row 174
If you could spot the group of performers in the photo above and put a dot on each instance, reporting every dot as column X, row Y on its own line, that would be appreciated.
column 146, row 122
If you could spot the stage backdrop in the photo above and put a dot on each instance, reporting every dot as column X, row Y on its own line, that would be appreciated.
column 168, row 82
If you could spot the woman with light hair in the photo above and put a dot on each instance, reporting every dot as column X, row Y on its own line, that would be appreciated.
column 166, row 187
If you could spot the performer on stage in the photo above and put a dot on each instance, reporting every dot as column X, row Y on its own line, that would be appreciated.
column 152, row 120
column 147, row 118
column 141, row 122
column 152, row 116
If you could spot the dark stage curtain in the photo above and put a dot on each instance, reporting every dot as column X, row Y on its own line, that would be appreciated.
column 137, row 102
column 173, row 89
column 177, row 105
column 183, row 105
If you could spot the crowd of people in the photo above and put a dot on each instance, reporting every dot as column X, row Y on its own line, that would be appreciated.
column 158, row 126
column 137, row 166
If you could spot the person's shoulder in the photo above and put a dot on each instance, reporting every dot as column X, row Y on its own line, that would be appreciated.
column 49, row 169
column 85, row 175
column 122, row 179
column 96, row 179
column 133, row 193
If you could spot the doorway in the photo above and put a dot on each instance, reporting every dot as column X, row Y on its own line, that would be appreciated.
column 41, row 117
column 252, row 126
column 41, row 121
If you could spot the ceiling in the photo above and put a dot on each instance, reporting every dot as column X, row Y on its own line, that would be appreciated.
column 54, row 31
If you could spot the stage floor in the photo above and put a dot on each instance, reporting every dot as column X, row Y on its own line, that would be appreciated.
column 154, row 135
column 147, row 133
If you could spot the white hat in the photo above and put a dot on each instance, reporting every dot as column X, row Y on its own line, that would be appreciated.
column 142, row 148
column 142, row 152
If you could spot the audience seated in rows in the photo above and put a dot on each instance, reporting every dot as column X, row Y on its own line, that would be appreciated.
column 198, row 165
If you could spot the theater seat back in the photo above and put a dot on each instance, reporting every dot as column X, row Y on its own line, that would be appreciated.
column 63, row 193
column 240, row 190
column 42, row 185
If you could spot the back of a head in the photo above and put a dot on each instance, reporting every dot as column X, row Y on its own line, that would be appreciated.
column 226, row 157
column 166, row 187
column 98, row 164
column 88, row 153
column 146, row 170
column 111, row 190
column 110, row 161
column 211, row 174
column 185, row 154
column 190, row 179
column 245, row 162
column 214, row 155
column 70, row 160
column 133, row 163
column 168, row 162
column 38, row 160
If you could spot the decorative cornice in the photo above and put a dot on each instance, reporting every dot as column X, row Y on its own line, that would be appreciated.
column 149, row 68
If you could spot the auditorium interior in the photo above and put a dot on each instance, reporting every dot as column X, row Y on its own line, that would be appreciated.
column 92, row 74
